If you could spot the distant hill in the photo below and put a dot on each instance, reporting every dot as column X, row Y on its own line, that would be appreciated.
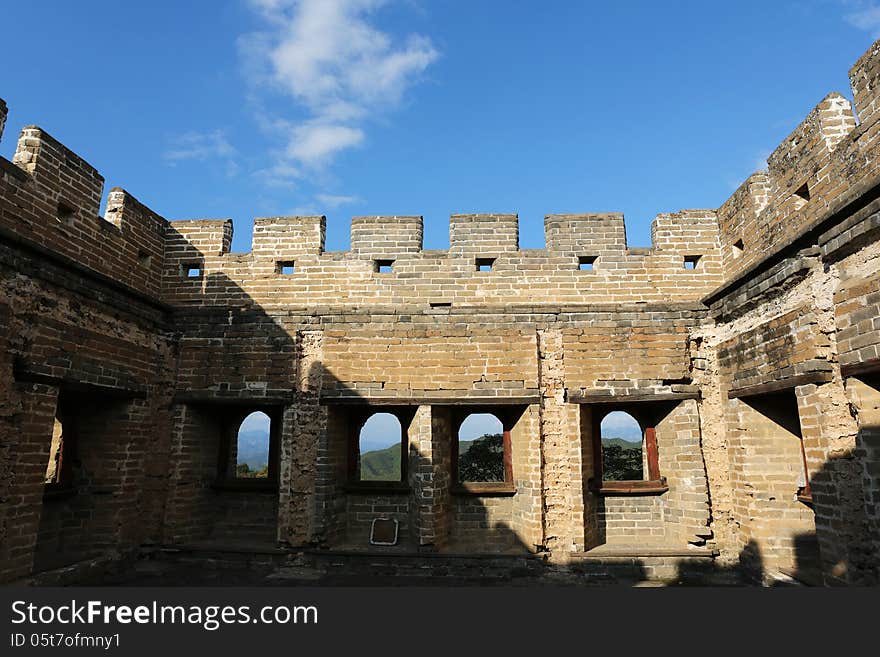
column 381, row 464
column 384, row 464
column 253, row 448
column 622, row 443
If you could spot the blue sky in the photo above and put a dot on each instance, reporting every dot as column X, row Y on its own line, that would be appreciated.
column 346, row 107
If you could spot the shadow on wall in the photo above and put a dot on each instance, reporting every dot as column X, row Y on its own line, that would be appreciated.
column 256, row 346
column 848, row 556
column 238, row 357
column 433, row 512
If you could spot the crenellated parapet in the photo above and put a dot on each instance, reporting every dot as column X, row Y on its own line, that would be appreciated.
column 864, row 78
column 50, row 198
column 819, row 167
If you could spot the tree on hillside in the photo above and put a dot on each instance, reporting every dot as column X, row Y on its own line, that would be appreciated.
column 484, row 459
column 621, row 464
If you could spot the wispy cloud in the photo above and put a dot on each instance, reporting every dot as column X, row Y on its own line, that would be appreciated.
column 331, row 201
column 864, row 15
column 199, row 146
column 338, row 68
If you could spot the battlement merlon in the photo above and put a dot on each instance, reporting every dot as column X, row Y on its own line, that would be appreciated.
column 864, row 78
column 483, row 234
column 386, row 236
column 190, row 240
column 585, row 234
column 4, row 111
column 61, row 175
column 287, row 237
column 802, row 157
column 686, row 232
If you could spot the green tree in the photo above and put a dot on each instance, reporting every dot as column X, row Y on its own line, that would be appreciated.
column 621, row 463
column 484, row 459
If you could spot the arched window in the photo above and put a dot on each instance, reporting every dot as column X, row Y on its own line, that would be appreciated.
column 483, row 449
column 252, row 450
column 379, row 449
column 626, row 460
column 622, row 448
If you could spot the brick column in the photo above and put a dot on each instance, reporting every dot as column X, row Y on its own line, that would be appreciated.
column 562, row 471
column 24, row 455
column 429, row 467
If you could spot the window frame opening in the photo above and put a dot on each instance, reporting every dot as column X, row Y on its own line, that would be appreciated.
column 587, row 263
column 227, row 461
column 66, row 455
column 285, row 267
column 235, row 466
column 647, row 415
column 738, row 248
column 692, row 262
column 485, row 264
column 356, row 422
column 66, row 214
column 508, row 418
column 383, row 266
column 187, row 269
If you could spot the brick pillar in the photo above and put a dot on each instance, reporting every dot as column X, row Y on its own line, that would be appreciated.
column 24, row 455
column 429, row 467
column 310, row 461
column 562, row 467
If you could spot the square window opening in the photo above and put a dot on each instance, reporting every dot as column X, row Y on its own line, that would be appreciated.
column 66, row 214
column 692, row 261
column 586, row 263
column 384, row 266
column 738, row 248
column 803, row 192
column 192, row 270
column 285, row 267
column 144, row 259
column 485, row 264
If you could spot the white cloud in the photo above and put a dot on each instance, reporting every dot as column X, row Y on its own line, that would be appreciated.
column 314, row 144
column 199, row 146
column 333, row 201
column 337, row 67
column 280, row 174
column 865, row 16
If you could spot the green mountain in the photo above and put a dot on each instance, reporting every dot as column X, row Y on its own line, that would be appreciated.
column 622, row 443
column 381, row 464
column 384, row 464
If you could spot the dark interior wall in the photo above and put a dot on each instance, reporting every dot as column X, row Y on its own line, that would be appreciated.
column 105, row 440
column 205, row 502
